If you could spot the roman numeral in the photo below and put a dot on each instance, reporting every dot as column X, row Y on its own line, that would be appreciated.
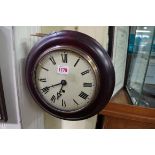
column 59, row 94
column 85, row 72
column 83, row 95
column 63, row 103
column 64, row 57
column 87, row 84
column 52, row 60
column 45, row 90
column 75, row 102
column 53, row 98
column 76, row 62
column 42, row 80
column 44, row 68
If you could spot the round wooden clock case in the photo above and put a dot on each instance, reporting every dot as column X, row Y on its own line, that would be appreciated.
column 88, row 53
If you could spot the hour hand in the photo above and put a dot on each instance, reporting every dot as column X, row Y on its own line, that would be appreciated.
column 61, row 90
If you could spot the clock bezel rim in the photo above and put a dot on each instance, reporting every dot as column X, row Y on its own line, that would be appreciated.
column 79, row 52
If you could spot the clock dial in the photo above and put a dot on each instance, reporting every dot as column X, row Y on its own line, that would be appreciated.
column 66, row 79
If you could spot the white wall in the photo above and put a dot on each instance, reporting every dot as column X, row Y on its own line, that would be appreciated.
column 32, row 116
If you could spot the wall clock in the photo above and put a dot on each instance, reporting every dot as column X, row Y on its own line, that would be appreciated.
column 70, row 75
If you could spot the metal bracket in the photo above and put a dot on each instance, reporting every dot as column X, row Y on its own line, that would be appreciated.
column 39, row 34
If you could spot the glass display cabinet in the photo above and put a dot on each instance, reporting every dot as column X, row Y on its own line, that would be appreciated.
column 140, row 79
column 133, row 106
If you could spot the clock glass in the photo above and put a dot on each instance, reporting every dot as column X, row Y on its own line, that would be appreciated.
column 66, row 78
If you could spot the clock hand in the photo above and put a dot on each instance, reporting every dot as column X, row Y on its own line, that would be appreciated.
column 63, row 82
column 61, row 90
column 59, row 93
column 47, row 88
column 54, row 85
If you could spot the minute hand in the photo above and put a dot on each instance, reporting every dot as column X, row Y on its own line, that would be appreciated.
column 63, row 83
column 46, row 89
column 54, row 85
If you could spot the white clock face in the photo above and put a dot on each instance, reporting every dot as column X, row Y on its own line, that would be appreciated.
column 66, row 79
